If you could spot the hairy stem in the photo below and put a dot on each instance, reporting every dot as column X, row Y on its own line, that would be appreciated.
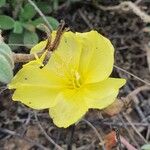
column 25, row 57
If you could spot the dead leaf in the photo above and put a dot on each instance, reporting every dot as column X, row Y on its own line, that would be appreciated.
column 114, row 108
column 110, row 140
column 14, row 143
column 32, row 132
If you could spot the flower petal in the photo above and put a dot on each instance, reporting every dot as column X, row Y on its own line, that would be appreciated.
column 97, row 57
column 69, row 109
column 65, row 58
column 102, row 94
column 32, row 82
column 31, row 96
column 31, row 75
column 38, row 47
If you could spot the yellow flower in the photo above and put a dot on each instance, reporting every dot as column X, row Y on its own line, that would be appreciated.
column 75, row 78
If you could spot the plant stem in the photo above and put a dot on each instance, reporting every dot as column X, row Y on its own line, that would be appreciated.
column 41, row 14
column 25, row 57
column 51, row 46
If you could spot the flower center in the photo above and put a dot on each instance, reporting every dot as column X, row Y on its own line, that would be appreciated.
column 75, row 81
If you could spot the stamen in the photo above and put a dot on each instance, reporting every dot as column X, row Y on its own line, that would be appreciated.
column 74, row 80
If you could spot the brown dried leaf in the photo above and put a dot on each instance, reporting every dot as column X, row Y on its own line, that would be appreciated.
column 114, row 108
column 32, row 132
column 110, row 140
column 16, row 143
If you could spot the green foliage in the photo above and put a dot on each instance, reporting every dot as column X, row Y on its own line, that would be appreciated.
column 5, row 49
column 145, row 147
column 52, row 21
column 25, row 20
column 45, row 7
column 30, row 27
column 2, row 2
column 6, row 63
column 27, row 12
column 18, row 28
column 15, row 38
column 30, row 38
column 6, row 22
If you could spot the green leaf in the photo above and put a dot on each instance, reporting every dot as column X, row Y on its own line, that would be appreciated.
column 30, row 38
column 18, row 28
column 28, row 12
column 44, row 7
column 6, row 22
column 52, row 21
column 2, row 3
column 4, row 47
column 28, row 26
column 15, row 39
column 7, row 53
column 6, row 72
column 146, row 147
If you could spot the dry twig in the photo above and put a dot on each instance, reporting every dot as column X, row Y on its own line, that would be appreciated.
column 34, row 143
column 85, row 19
column 147, row 49
column 134, row 128
column 46, row 135
column 131, row 74
column 137, row 90
column 51, row 46
column 2, row 89
column 25, row 57
column 127, row 144
column 97, row 133
column 127, row 6
column 128, row 131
